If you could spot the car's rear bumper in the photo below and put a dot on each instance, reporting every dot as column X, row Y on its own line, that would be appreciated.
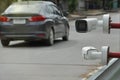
column 25, row 36
column 32, row 30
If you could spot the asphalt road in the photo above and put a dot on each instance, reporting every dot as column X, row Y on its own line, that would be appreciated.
column 62, row 61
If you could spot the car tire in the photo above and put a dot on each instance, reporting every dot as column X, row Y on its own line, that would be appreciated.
column 66, row 37
column 5, row 43
column 50, row 40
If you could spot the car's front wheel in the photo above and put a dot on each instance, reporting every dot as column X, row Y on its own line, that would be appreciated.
column 5, row 42
column 50, row 40
column 66, row 37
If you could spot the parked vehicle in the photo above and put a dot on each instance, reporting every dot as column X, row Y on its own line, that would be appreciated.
column 33, row 20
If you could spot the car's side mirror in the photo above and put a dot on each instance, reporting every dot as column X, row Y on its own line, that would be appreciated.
column 65, row 13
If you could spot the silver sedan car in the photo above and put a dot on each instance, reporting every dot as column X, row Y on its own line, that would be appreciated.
column 31, row 21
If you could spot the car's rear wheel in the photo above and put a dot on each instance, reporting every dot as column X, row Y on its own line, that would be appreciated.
column 5, row 42
column 50, row 40
column 66, row 37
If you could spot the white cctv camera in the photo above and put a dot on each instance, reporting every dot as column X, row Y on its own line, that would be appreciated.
column 91, row 53
column 86, row 25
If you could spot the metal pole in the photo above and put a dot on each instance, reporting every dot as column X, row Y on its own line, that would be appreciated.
column 114, row 54
column 115, row 25
column 103, row 4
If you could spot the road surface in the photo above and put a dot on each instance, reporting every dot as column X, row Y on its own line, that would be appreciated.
column 62, row 61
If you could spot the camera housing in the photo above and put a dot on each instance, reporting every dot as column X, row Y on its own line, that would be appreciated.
column 86, row 25
column 91, row 53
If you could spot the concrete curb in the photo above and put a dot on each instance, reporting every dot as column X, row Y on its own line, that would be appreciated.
column 75, row 18
column 96, row 14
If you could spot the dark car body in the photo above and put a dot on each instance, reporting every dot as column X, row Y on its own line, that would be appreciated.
column 33, row 20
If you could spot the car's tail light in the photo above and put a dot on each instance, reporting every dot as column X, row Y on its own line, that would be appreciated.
column 41, row 35
column 37, row 18
column 3, row 19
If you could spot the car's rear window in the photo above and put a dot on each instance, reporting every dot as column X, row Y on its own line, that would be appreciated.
column 24, row 8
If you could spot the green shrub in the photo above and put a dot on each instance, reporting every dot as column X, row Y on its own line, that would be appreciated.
column 72, row 5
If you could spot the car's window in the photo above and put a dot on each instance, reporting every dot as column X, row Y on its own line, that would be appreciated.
column 56, row 11
column 23, row 8
column 50, row 9
column 43, row 10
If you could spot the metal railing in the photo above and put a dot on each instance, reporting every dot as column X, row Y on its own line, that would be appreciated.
column 108, row 72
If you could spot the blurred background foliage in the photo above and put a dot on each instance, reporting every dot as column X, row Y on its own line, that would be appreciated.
column 4, row 4
column 72, row 4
